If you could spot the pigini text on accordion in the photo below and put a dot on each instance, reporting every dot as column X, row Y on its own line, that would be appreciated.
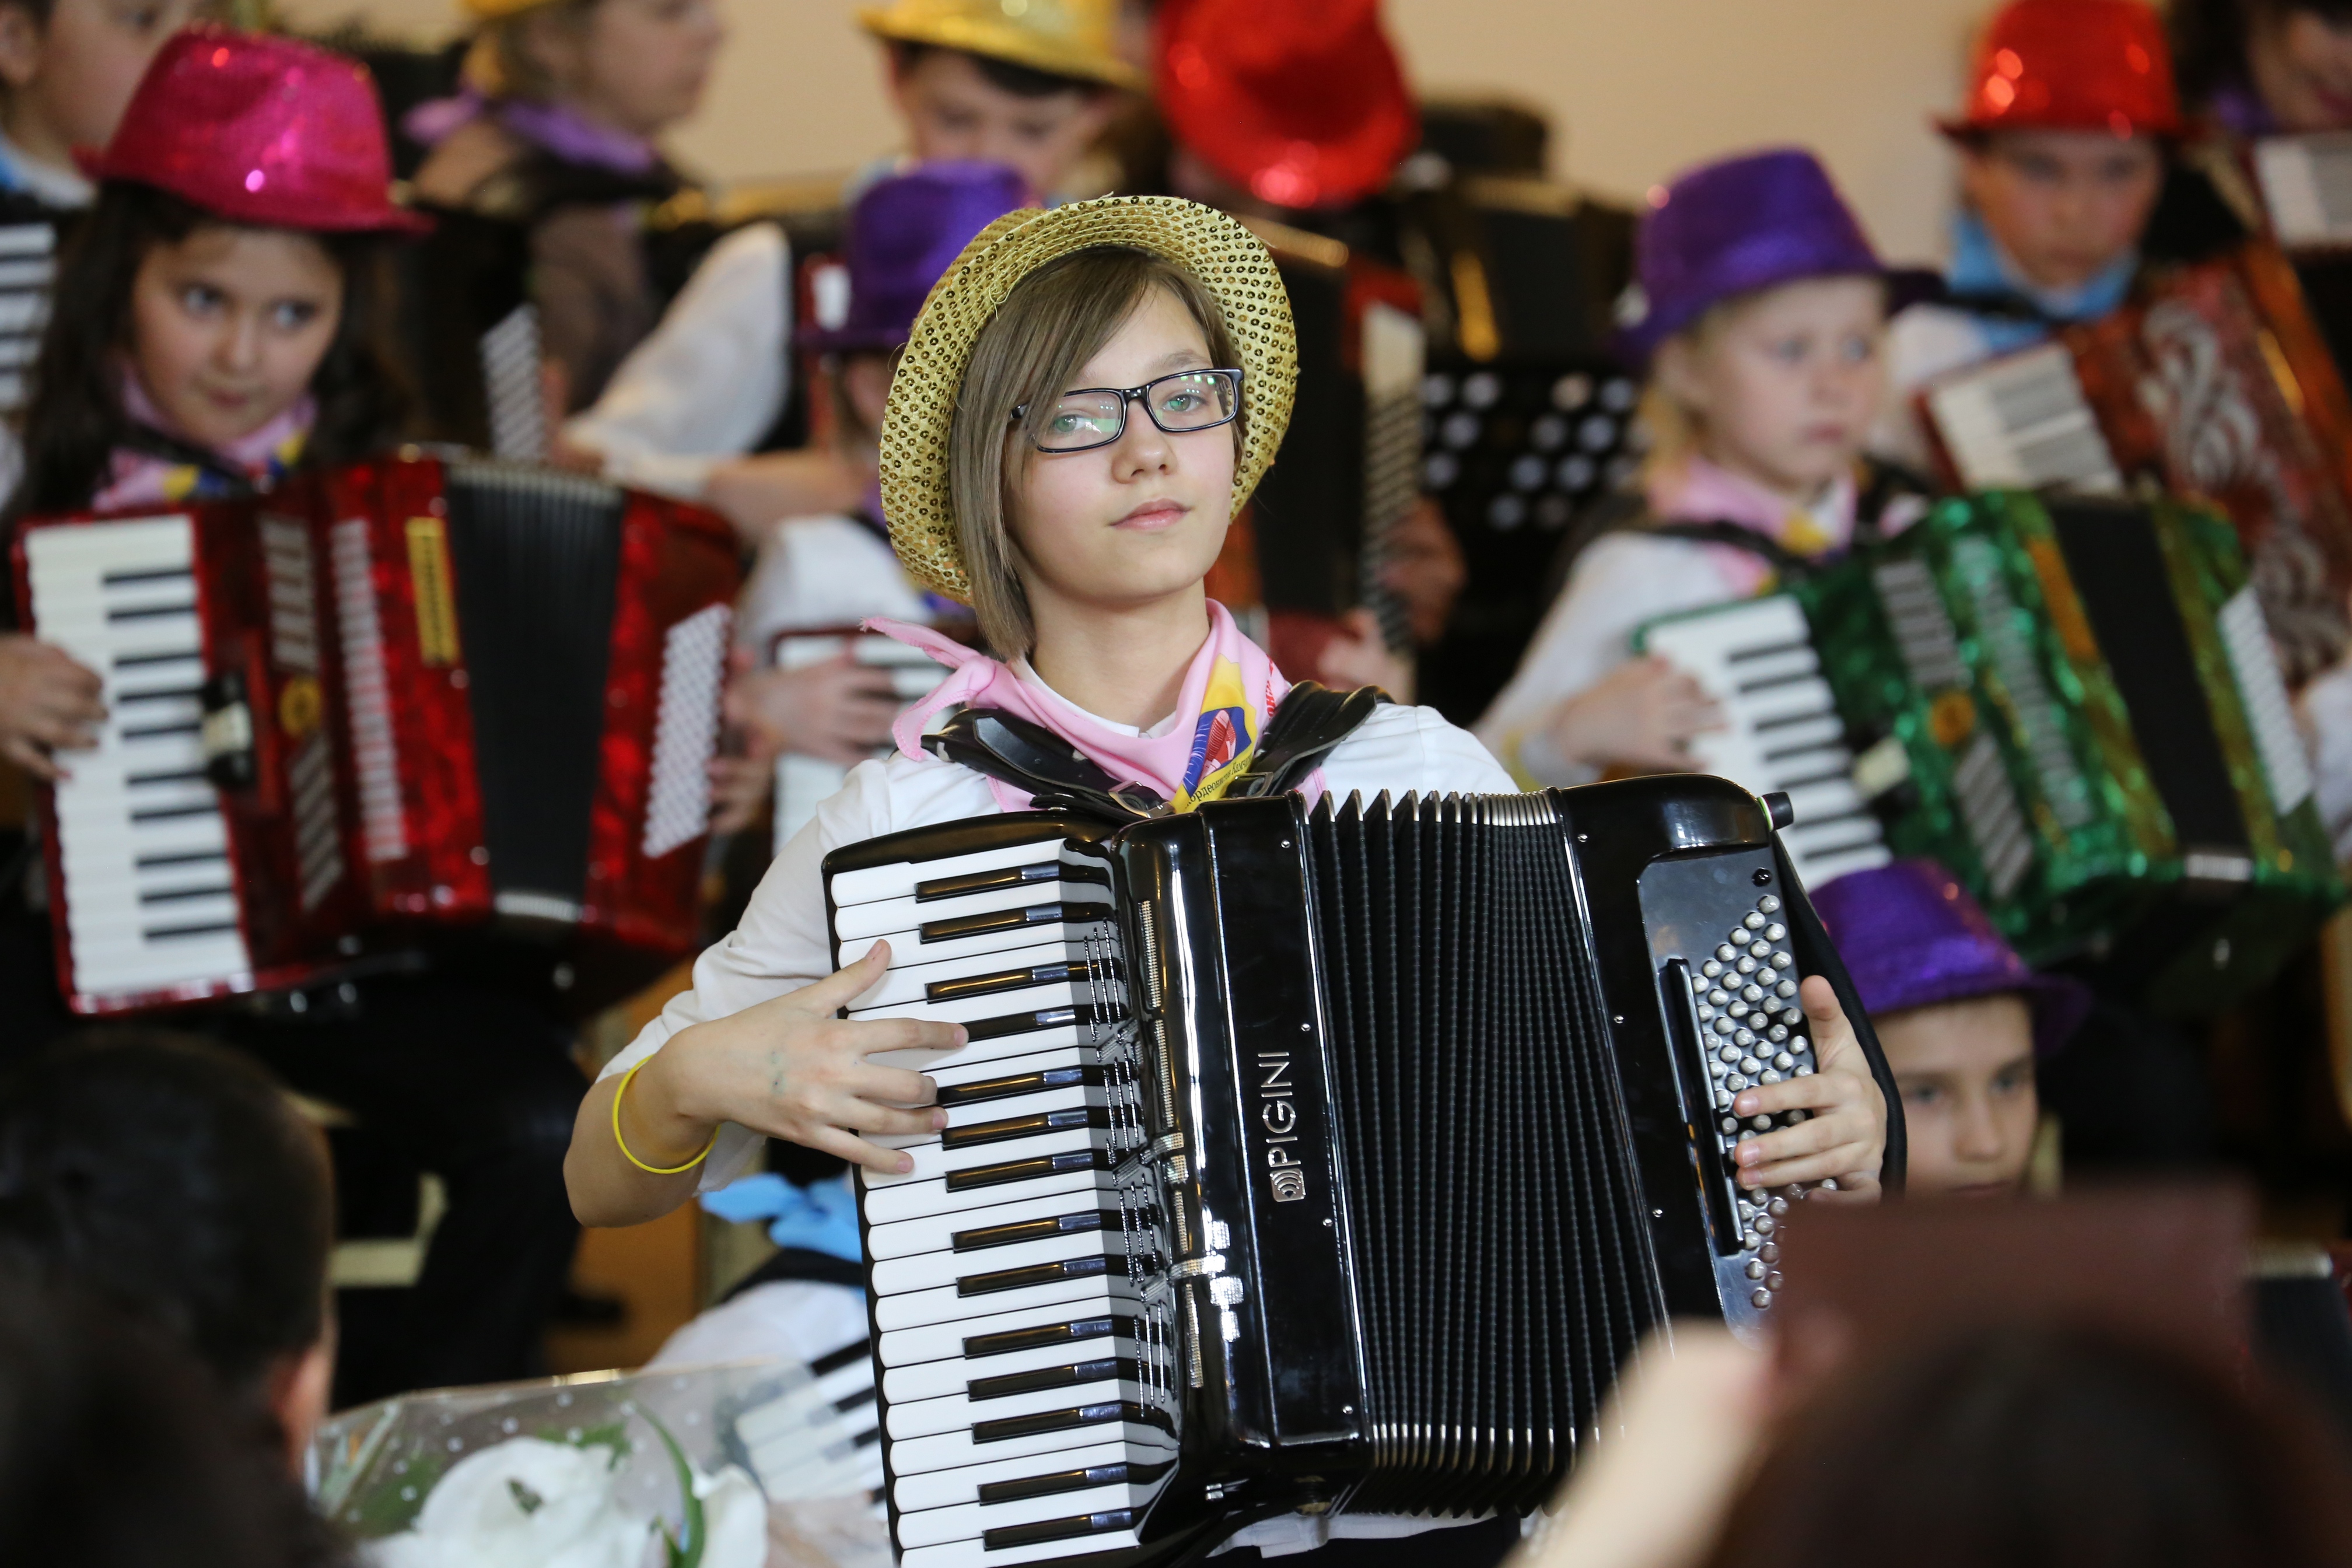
column 1328, row 1161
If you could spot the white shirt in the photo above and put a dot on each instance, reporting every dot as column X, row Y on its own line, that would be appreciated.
column 784, row 942
column 710, row 380
column 1621, row 580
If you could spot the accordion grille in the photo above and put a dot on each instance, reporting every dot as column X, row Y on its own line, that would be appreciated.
column 538, row 558
column 1499, row 1239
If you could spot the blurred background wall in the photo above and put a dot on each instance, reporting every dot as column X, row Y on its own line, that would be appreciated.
column 1635, row 89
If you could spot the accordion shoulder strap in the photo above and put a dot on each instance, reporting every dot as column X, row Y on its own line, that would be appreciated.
column 1307, row 724
column 1030, row 757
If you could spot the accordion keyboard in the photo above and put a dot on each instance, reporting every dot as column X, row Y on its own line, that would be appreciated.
column 1783, row 731
column 141, row 833
column 1023, row 1388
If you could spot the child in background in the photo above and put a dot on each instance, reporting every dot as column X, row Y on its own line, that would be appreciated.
column 178, row 1181
column 2063, row 144
column 829, row 572
column 68, row 69
column 2266, row 68
column 1764, row 320
column 974, row 81
column 554, row 131
column 215, row 328
column 1963, row 1021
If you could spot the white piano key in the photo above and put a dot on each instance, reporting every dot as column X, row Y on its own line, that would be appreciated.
column 936, row 1233
column 960, row 1487
column 967, row 1521
column 1076, row 1298
column 947, row 1450
column 957, row 1412
column 929, row 1270
column 955, row 1374
column 942, row 1341
column 971, row 1555
column 1004, row 1047
column 910, row 1200
column 898, row 879
column 888, row 917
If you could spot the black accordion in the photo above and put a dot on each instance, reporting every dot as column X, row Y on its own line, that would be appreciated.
column 1329, row 1160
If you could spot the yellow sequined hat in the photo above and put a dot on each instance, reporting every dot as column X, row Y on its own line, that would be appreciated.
column 498, row 10
column 1067, row 38
column 1226, row 258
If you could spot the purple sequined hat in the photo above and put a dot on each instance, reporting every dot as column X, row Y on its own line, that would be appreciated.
column 1744, row 224
column 1911, row 937
column 903, row 232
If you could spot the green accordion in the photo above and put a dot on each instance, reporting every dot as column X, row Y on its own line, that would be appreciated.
column 2070, row 703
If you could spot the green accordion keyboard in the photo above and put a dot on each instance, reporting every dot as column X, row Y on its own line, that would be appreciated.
column 2070, row 703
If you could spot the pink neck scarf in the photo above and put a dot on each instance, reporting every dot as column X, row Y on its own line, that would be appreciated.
column 1697, row 491
column 142, row 478
column 1230, row 690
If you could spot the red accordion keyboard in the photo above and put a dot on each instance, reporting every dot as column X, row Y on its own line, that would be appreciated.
column 377, row 707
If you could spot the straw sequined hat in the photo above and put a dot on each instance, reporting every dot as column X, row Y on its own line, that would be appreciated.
column 1214, row 248
column 1076, row 38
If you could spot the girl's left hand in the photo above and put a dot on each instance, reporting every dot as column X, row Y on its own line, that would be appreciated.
column 1844, row 1136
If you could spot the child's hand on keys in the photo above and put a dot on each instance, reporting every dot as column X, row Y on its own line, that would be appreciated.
column 1844, row 1136
column 47, row 704
column 789, row 1068
column 1643, row 714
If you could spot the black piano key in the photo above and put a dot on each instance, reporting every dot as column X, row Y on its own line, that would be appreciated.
column 151, row 612
column 985, row 1237
column 185, row 857
column 1010, row 1535
column 1041, row 1018
column 1021, row 1083
column 1006, row 1427
column 1123, row 1474
column 833, row 1361
column 150, row 574
column 1033, row 1126
column 134, row 660
column 1008, row 980
column 1009, row 919
column 977, row 1346
column 1033, row 1274
column 174, row 933
column 851, row 1401
column 1028, row 1170
column 1007, row 877
column 1125, row 1367
column 181, row 895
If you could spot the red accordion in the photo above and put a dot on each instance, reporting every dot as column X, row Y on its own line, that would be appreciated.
column 2210, row 382
column 376, row 706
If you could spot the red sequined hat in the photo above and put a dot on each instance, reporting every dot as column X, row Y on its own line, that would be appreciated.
column 2072, row 65
column 259, row 129
column 1300, row 101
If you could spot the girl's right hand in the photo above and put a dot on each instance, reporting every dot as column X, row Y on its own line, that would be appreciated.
column 47, row 704
column 1643, row 714
column 789, row 1068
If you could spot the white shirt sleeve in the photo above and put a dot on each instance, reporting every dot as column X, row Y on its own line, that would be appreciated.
column 782, row 942
column 710, row 379
column 1621, row 582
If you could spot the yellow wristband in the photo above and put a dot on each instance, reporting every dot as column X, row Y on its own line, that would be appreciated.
column 623, row 1144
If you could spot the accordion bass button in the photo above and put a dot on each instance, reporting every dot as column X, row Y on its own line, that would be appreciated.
column 1776, row 932
column 1769, row 904
column 1727, row 953
column 1710, row 969
column 1756, row 1268
column 1752, row 920
column 1761, row 1298
column 1769, row 1252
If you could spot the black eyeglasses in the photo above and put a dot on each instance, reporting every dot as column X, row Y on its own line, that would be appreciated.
column 1181, row 404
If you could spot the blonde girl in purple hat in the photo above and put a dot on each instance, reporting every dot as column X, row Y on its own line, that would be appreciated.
column 1762, row 311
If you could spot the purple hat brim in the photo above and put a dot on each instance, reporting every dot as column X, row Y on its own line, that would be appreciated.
column 1905, row 287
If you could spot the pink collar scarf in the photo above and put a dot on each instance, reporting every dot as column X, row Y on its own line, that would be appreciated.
column 1695, row 490
column 142, row 478
column 1231, row 689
